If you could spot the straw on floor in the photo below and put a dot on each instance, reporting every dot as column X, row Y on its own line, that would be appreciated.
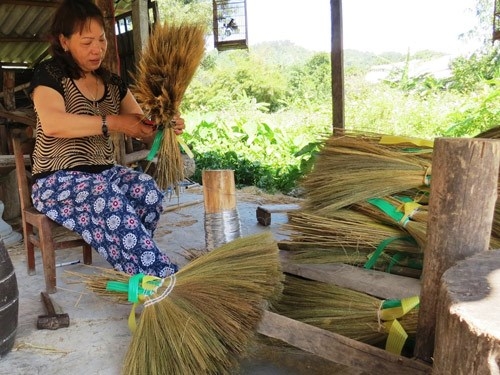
column 202, row 318
column 167, row 64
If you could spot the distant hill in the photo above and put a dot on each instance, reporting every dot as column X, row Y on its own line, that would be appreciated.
column 286, row 53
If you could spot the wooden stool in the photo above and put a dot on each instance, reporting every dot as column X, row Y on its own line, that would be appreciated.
column 38, row 229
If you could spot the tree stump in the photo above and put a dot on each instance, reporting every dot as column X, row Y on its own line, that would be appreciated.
column 468, row 324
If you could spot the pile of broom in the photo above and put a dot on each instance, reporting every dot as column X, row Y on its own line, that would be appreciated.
column 366, row 205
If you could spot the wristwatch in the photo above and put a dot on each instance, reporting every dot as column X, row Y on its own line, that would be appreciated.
column 104, row 128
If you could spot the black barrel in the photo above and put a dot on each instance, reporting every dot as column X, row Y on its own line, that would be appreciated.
column 9, row 301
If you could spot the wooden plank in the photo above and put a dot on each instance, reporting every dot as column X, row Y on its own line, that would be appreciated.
column 376, row 283
column 337, row 348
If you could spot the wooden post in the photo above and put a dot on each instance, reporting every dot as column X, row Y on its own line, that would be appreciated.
column 462, row 201
column 337, row 59
column 112, row 62
column 218, row 190
column 140, row 20
column 9, row 101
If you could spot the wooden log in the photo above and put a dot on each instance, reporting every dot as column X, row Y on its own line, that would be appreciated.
column 462, row 200
column 337, row 348
column 468, row 323
column 219, row 190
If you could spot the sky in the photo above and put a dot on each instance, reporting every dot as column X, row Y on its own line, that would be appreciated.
column 368, row 25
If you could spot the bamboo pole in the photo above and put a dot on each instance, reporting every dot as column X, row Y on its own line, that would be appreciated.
column 462, row 201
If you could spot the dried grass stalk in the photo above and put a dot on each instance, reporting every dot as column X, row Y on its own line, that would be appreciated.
column 167, row 65
column 210, row 315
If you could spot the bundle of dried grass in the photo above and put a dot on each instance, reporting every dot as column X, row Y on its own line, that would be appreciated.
column 201, row 319
column 352, row 169
column 167, row 65
column 341, row 310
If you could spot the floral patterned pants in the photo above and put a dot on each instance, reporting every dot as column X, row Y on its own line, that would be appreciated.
column 115, row 211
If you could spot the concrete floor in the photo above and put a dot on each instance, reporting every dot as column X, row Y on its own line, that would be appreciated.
column 98, row 336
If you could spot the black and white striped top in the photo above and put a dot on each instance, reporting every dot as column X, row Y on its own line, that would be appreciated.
column 87, row 153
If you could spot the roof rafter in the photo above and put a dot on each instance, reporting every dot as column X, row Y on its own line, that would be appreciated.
column 48, row 4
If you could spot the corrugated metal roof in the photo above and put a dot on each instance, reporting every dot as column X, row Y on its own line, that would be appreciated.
column 24, row 26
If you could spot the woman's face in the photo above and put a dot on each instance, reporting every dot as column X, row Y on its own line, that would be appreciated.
column 87, row 47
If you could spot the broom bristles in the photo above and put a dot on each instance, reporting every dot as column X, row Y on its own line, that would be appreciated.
column 211, row 313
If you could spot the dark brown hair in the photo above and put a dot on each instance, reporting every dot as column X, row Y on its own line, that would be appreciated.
column 72, row 16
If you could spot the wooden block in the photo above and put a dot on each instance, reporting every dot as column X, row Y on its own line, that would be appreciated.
column 263, row 212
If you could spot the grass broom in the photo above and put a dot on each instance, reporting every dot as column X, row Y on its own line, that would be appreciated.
column 352, row 169
column 166, row 67
column 202, row 323
column 341, row 310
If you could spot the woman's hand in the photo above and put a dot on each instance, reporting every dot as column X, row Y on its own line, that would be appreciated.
column 178, row 124
column 132, row 125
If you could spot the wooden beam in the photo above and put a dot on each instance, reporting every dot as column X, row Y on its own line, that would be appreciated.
column 21, row 39
column 376, row 283
column 18, row 116
column 337, row 348
column 35, row 3
column 9, row 100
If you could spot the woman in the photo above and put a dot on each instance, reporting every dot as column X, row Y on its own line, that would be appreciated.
column 78, row 103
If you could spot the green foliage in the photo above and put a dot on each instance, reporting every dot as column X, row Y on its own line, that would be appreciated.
column 470, row 73
column 264, row 112
column 482, row 113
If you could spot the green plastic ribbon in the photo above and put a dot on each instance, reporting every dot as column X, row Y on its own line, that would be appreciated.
column 156, row 144
column 138, row 287
column 398, row 257
column 381, row 247
column 388, row 209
